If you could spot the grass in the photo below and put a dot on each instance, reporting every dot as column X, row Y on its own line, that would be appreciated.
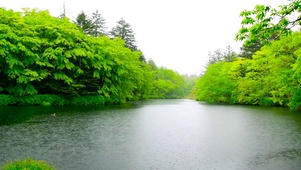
column 27, row 164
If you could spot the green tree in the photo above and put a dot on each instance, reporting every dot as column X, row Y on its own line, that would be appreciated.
column 142, row 57
column 84, row 23
column 124, row 31
column 248, row 51
column 228, row 55
column 98, row 25
column 41, row 54
column 168, row 84
column 190, row 85
column 216, row 85
column 270, row 78
column 264, row 23
column 215, row 57
column 152, row 64
column 19, row 50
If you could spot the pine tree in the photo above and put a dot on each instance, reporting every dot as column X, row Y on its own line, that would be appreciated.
column 84, row 23
column 124, row 31
column 98, row 25
column 64, row 12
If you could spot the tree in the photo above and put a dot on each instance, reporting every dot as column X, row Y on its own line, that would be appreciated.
column 93, row 26
column 64, row 12
column 124, row 31
column 142, row 57
column 248, row 51
column 265, row 24
column 84, row 23
column 98, row 25
column 214, row 57
column 271, row 77
column 190, row 83
column 228, row 55
column 41, row 54
column 216, row 86
column 152, row 64
column 168, row 84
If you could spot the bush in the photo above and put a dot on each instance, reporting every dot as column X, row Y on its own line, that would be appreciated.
column 28, row 164
column 42, row 99
column 7, row 100
column 87, row 100
column 54, row 100
column 295, row 102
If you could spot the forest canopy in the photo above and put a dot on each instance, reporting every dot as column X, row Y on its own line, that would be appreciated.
column 42, row 54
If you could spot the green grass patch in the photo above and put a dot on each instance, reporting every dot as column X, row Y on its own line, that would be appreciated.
column 28, row 164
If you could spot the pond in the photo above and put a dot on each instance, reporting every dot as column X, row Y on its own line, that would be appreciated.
column 155, row 134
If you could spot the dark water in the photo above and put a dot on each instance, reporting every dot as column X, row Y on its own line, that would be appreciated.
column 156, row 134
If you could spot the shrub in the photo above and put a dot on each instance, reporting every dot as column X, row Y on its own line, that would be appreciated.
column 54, row 100
column 7, row 100
column 28, row 164
column 87, row 100
column 42, row 99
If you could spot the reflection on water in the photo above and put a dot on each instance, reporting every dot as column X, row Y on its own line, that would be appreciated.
column 155, row 134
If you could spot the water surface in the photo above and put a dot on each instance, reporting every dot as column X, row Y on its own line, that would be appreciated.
column 155, row 134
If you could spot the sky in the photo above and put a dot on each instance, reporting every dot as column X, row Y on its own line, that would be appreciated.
column 176, row 34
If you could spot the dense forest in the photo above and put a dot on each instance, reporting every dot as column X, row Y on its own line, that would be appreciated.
column 268, row 69
column 48, row 60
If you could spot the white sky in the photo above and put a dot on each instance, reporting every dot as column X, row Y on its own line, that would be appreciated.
column 177, row 34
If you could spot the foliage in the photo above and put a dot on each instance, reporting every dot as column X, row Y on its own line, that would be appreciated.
column 216, row 86
column 228, row 55
column 84, row 23
column 93, row 26
column 53, row 100
column 264, row 23
column 248, row 51
column 271, row 77
column 87, row 100
column 190, row 86
column 28, row 164
column 43, row 100
column 124, row 31
column 168, row 84
column 98, row 25
column 152, row 64
column 7, row 100
column 49, row 61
